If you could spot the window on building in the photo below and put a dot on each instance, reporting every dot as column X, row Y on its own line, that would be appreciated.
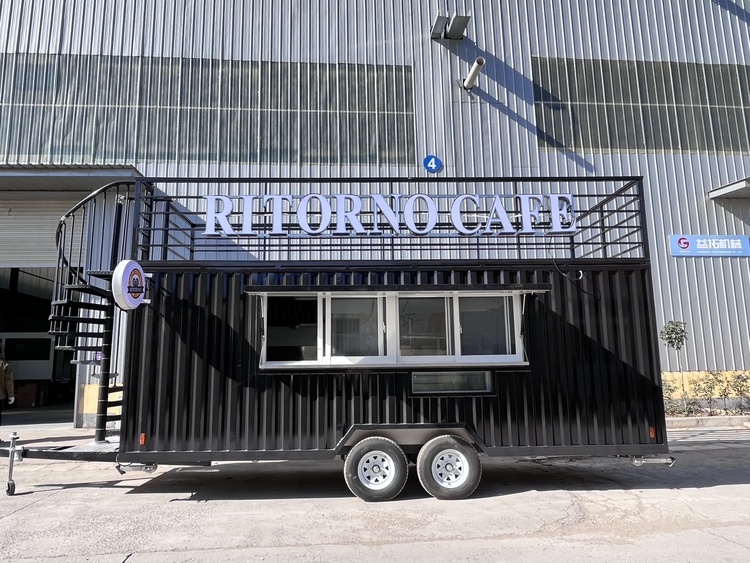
column 97, row 108
column 392, row 328
column 610, row 105
column 28, row 349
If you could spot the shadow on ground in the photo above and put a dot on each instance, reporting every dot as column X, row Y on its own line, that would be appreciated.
column 39, row 415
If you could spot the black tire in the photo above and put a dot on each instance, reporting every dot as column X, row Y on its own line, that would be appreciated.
column 376, row 469
column 10, row 488
column 448, row 468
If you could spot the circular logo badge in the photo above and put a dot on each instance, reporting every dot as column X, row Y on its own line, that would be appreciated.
column 135, row 283
column 128, row 284
column 683, row 243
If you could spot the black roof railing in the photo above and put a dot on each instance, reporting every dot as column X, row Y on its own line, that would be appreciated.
column 171, row 224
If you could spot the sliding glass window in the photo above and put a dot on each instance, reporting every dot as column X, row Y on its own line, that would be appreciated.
column 392, row 328
column 487, row 326
column 424, row 324
column 291, row 329
column 356, row 327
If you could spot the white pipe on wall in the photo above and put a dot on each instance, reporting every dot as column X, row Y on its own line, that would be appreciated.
column 473, row 73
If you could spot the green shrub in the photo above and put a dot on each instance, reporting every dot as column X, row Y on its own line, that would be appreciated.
column 674, row 334
column 671, row 405
column 692, row 407
column 725, row 391
column 706, row 388
column 740, row 385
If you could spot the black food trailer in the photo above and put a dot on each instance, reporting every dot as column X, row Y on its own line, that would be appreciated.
column 384, row 321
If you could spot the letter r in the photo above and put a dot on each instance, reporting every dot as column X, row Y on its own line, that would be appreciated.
column 213, row 214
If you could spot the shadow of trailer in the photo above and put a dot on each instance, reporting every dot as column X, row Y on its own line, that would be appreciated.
column 530, row 332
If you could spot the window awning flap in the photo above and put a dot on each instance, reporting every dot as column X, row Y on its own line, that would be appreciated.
column 736, row 190
column 515, row 288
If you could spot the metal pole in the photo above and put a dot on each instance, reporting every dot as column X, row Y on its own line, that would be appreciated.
column 643, row 220
column 136, row 224
column 100, row 434
column 116, row 234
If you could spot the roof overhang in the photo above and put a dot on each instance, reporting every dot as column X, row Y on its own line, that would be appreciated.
column 27, row 181
column 736, row 190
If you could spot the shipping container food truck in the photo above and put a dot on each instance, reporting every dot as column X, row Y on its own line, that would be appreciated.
column 434, row 321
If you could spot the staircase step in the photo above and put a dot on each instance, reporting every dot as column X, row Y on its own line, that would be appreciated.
column 90, row 289
column 116, row 388
column 112, row 375
column 80, row 305
column 103, row 274
column 76, row 334
column 111, row 404
column 81, row 320
column 85, row 362
column 114, row 418
column 68, row 348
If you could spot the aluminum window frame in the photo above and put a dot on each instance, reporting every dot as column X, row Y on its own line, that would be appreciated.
column 390, row 337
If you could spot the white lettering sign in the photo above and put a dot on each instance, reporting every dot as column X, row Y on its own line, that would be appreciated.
column 417, row 215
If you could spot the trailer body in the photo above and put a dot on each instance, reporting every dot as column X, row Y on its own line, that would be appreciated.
column 195, row 389
column 248, row 346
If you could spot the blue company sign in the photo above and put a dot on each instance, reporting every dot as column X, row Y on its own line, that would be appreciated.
column 709, row 245
column 432, row 163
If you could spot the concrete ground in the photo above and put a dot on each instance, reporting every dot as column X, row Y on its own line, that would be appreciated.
column 44, row 426
column 571, row 509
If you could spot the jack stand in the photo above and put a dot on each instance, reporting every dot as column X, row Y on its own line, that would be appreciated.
column 14, row 455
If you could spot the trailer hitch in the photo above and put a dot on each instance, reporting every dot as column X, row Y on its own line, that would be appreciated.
column 145, row 467
column 638, row 461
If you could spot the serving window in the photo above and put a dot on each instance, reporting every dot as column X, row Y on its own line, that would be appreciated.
column 367, row 329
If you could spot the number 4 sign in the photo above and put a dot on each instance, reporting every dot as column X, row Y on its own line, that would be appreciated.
column 432, row 163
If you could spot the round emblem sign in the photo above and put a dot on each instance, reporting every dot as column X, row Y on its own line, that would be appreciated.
column 128, row 284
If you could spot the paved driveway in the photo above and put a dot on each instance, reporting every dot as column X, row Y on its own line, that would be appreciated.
column 601, row 509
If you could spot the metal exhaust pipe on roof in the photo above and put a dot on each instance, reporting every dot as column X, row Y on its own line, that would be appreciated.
column 471, row 78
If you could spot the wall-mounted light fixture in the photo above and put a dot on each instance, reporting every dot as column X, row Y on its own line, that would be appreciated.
column 438, row 27
column 457, row 27
column 455, row 30
column 471, row 78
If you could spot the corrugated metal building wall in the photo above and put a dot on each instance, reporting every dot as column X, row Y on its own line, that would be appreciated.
column 359, row 89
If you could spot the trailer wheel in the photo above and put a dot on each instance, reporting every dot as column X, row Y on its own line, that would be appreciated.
column 376, row 469
column 448, row 468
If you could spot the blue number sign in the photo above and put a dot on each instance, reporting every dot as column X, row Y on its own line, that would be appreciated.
column 432, row 163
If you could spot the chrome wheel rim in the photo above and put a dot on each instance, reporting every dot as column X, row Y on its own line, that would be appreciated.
column 450, row 469
column 376, row 470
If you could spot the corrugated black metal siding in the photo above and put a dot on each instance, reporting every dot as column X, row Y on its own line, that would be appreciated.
column 592, row 385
